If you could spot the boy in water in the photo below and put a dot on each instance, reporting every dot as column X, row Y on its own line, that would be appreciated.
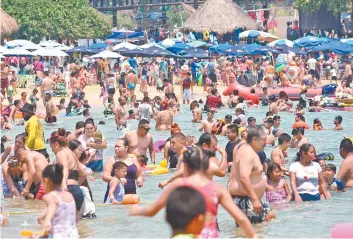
column 34, row 98
column 185, row 212
column 333, row 183
column 337, row 122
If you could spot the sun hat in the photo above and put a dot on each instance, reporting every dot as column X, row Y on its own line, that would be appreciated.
column 27, row 108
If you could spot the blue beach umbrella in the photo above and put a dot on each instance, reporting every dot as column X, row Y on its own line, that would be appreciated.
column 196, row 44
column 220, row 48
column 98, row 46
column 309, row 41
column 348, row 41
column 178, row 47
column 281, row 42
column 249, row 34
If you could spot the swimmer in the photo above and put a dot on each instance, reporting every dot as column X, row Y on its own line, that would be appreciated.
column 270, row 140
column 232, row 135
column 207, row 125
column 337, row 122
column 317, row 125
column 279, row 154
column 58, row 219
column 298, row 138
column 164, row 119
column 345, row 173
column 227, row 121
column 50, row 109
column 116, row 186
column 120, row 114
column 272, row 104
column 277, row 189
column 333, row 183
column 196, row 112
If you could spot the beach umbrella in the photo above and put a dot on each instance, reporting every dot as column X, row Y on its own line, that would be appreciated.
column 220, row 47
column 348, row 41
column 265, row 49
column 149, row 45
column 196, row 44
column 100, row 45
column 281, row 42
column 286, row 49
column 258, row 34
column 83, row 50
column 195, row 52
column 335, row 46
column 64, row 48
column 18, row 51
column 234, row 51
column 107, row 54
column 49, row 43
column 135, row 52
column 20, row 43
column 309, row 41
column 124, row 44
column 157, row 51
column 3, row 49
column 251, row 47
column 122, row 49
column 50, row 51
column 167, row 43
column 178, row 47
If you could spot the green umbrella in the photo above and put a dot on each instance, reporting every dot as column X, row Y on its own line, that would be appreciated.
column 196, row 44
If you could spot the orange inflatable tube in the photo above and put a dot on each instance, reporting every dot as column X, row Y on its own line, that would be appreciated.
column 292, row 92
column 130, row 199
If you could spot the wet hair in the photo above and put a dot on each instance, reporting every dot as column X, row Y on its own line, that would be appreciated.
column 80, row 125
column 241, row 99
column 346, row 145
column 74, row 144
column 16, row 102
column 228, row 118
column 269, row 113
column 59, row 137
column 272, row 167
column 117, row 166
column 126, row 143
column 89, row 121
column 205, row 138
column 24, row 93
column 183, row 205
column 239, row 110
column 251, row 119
column 294, row 132
column 265, row 88
column 276, row 117
column 48, row 95
column 304, row 149
column 195, row 159
column 86, row 112
column 272, row 98
column 252, row 91
column 146, row 99
column 237, row 121
column 143, row 121
column 300, row 131
column 179, row 136
column 339, row 118
column 235, row 92
column 214, row 91
column 316, row 120
column 331, row 167
column 301, row 117
column 283, row 95
column 53, row 172
column 233, row 128
column 256, row 132
column 284, row 138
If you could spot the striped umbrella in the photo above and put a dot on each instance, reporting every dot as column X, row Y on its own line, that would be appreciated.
column 281, row 42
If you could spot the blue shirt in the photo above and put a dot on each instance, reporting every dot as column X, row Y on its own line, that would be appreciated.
column 132, row 63
column 163, row 66
column 194, row 67
column 337, row 183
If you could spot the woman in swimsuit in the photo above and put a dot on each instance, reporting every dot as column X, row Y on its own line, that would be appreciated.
column 134, row 173
column 195, row 164
column 10, row 110
column 72, row 167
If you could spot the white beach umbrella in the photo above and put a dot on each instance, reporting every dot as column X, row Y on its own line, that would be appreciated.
column 167, row 42
column 49, row 43
column 148, row 45
column 49, row 51
column 124, row 45
column 3, row 49
column 21, row 43
column 18, row 51
column 107, row 54
column 281, row 42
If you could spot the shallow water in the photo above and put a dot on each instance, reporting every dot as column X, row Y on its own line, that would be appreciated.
column 295, row 220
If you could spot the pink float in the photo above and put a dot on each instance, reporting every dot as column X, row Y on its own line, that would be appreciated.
column 344, row 230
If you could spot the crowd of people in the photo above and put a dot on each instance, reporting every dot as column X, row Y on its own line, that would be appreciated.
column 255, row 181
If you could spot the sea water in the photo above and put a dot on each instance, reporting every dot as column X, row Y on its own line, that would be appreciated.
column 308, row 219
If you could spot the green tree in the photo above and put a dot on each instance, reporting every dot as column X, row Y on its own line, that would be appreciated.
column 176, row 18
column 72, row 19
column 336, row 6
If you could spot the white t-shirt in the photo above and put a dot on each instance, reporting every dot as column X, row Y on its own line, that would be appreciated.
column 312, row 64
column 145, row 111
column 242, row 106
column 307, row 178
column 333, row 72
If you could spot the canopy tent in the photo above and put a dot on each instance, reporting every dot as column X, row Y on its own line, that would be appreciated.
column 348, row 41
column 281, row 42
column 50, row 51
column 3, row 49
column 234, row 51
column 157, row 51
column 178, row 47
column 49, row 43
column 124, row 45
column 122, row 49
column 100, row 45
column 167, row 43
column 8, row 24
column 18, row 51
column 22, row 43
column 309, row 41
column 83, row 50
column 220, row 16
column 107, row 54
column 286, row 49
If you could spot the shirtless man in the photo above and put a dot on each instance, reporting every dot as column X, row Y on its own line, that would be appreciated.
column 164, row 119
column 48, row 85
column 207, row 125
column 120, row 114
column 35, row 164
column 227, row 121
column 337, row 122
column 75, row 83
column 50, row 109
column 345, row 173
column 196, row 113
column 246, row 181
column 298, row 138
column 140, row 140
column 131, row 81
column 273, row 104
column 279, row 153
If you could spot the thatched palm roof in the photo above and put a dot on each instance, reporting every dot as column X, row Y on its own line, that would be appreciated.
column 8, row 23
column 220, row 16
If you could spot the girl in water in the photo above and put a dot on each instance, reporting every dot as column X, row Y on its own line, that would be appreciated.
column 195, row 165
column 59, row 217
column 277, row 189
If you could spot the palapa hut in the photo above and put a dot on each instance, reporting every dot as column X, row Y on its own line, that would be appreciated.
column 8, row 23
column 220, row 16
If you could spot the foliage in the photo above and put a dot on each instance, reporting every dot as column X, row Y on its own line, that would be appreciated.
column 125, row 22
column 72, row 19
column 334, row 5
column 176, row 17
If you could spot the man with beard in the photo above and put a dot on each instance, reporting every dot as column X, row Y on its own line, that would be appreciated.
column 50, row 109
column 34, row 131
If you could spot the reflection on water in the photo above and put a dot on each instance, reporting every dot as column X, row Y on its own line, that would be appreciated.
column 297, row 220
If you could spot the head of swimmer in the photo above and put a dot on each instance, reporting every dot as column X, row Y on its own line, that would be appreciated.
column 257, row 138
column 178, row 142
column 21, row 154
column 47, row 97
column 119, row 169
column 58, row 140
column 122, row 100
column 307, row 153
column 90, row 128
column 274, row 172
column 185, row 211
column 143, row 127
column 284, row 141
column 121, row 148
column 210, row 114
column 52, row 177
column 298, row 133
column 196, row 160
column 346, row 147
column 232, row 132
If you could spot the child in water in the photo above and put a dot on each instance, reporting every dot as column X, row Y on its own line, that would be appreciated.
column 333, row 183
column 277, row 190
column 34, row 98
column 95, row 156
column 116, row 188
column 185, row 212
column 317, row 125
column 61, row 104
column 59, row 217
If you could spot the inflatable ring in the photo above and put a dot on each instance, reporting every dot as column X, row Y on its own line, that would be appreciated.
column 292, row 73
column 206, row 35
column 179, row 36
column 159, row 170
column 130, row 199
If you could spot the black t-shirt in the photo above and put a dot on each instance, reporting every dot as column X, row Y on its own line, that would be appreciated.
column 172, row 157
column 229, row 149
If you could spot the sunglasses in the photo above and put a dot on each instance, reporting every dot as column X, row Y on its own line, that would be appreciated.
column 147, row 129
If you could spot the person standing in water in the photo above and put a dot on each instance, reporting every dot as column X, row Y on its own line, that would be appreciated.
column 207, row 125
column 337, row 122
column 58, row 219
column 279, row 154
column 246, row 181
column 140, row 140
column 50, row 109
column 345, row 173
column 164, row 119
column 196, row 112
column 120, row 114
